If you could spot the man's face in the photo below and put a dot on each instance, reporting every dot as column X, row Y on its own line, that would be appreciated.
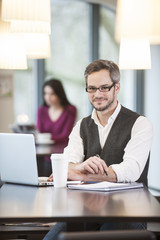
column 102, row 101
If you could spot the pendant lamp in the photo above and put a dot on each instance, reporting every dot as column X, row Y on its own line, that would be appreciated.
column 138, row 19
column 27, row 15
column 135, row 54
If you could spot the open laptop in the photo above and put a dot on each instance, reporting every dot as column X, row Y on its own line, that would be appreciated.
column 18, row 163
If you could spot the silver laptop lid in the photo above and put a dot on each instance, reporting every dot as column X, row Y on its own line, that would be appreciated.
column 18, row 162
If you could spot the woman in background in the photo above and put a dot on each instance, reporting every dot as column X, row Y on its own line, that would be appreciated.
column 57, row 116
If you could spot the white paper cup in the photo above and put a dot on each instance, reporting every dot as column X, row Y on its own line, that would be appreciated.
column 59, row 170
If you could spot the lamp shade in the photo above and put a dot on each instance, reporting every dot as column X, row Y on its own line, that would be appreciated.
column 138, row 19
column 12, row 49
column 134, row 54
column 30, row 27
column 27, row 15
column 33, row 10
column 37, row 45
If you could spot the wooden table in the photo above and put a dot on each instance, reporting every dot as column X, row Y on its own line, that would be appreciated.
column 48, row 204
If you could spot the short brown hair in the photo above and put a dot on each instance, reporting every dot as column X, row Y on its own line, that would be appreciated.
column 100, row 64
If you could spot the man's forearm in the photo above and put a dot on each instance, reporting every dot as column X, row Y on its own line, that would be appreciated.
column 110, row 177
column 75, row 174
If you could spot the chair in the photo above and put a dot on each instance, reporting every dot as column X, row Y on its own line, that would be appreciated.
column 108, row 235
column 30, row 232
column 154, row 226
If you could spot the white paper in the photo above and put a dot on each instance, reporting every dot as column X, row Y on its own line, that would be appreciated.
column 106, row 186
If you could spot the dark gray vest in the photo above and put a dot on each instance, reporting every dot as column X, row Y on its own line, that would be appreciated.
column 119, row 136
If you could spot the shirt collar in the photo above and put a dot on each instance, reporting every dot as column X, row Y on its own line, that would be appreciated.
column 111, row 118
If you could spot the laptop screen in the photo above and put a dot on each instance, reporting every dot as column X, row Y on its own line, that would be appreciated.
column 18, row 162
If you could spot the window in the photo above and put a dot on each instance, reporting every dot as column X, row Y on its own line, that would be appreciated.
column 70, row 50
column 24, row 94
column 109, row 49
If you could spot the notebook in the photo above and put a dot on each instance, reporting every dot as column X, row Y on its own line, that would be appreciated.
column 106, row 186
column 18, row 163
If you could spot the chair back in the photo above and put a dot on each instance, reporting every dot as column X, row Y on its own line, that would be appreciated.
column 108, row 235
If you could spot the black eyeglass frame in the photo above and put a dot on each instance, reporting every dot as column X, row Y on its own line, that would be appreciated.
column 94, row 89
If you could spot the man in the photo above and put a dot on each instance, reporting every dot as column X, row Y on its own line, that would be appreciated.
column 113, row 140
column 112, row 144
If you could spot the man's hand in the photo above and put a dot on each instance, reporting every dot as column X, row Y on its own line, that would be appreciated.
column 93, row 165
column 76, row 171
column 73, row 174
column 110, row 177
column 50, row 178
column 93, row 169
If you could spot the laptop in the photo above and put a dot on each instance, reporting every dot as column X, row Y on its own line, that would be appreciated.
column 18, row 163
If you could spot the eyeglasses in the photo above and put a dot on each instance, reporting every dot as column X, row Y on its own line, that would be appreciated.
column 103, row 88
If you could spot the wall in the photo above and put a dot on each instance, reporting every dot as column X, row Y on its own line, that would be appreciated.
column 6, row 100
column 152, row 111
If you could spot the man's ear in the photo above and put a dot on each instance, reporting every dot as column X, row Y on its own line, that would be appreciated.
column 117, row 87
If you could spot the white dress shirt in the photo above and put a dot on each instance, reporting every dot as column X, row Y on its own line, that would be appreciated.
column 135, row 153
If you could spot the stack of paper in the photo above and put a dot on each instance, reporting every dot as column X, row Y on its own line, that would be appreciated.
column 105, row 186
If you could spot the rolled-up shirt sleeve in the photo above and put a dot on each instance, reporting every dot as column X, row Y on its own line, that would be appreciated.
column 136, row 152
